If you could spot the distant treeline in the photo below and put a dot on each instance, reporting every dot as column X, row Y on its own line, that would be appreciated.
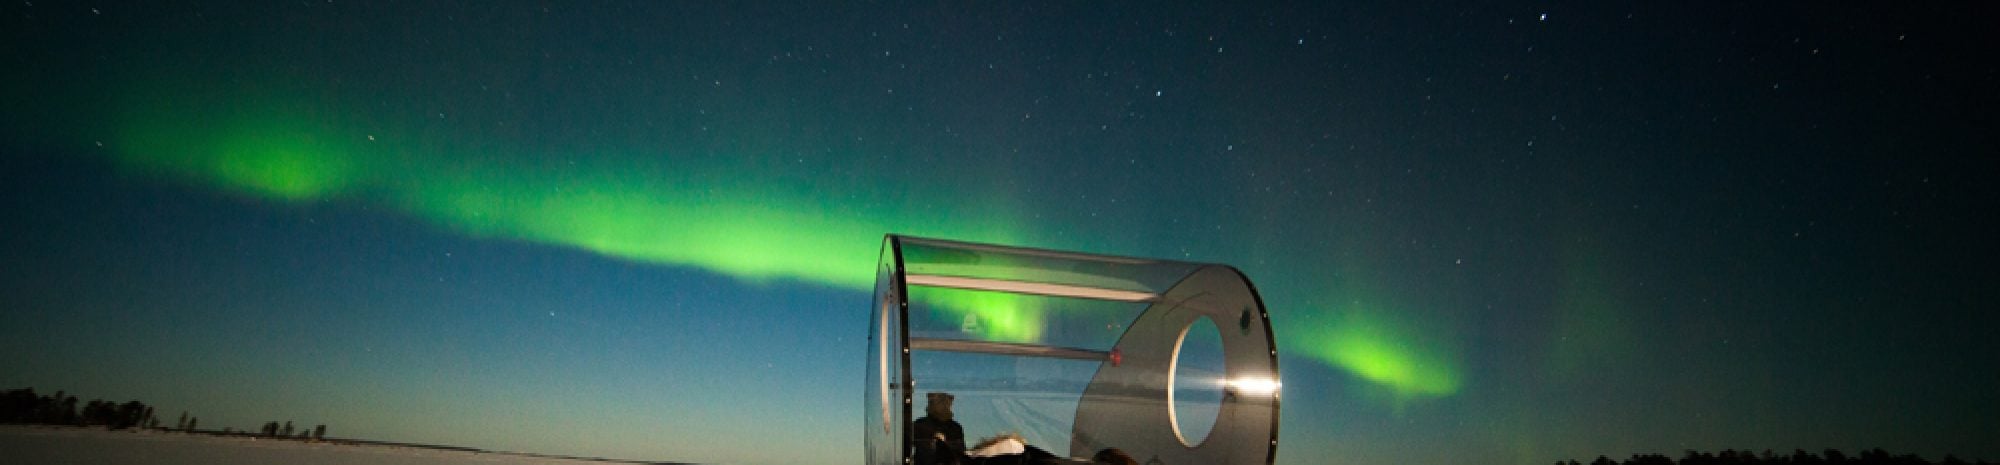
column 22, row 406
column 1797, row 457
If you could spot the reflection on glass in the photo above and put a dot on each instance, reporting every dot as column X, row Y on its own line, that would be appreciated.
column 1196, row 395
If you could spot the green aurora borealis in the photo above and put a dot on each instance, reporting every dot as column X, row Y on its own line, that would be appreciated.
column 727, row 222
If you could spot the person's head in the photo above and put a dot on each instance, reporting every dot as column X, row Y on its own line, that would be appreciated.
column 1113, row 456
column 939, row 405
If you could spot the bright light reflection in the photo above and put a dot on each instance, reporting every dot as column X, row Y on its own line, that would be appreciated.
column 1254, row 386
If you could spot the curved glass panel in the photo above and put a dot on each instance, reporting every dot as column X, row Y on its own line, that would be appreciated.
column 1196, row 393
column 1121, row 277
column 1127, row 405
column 882, row 403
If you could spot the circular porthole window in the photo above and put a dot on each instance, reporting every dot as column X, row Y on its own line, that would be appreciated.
column 1194, row 391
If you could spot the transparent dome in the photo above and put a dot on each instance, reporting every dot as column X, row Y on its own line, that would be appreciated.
column 1172, row 362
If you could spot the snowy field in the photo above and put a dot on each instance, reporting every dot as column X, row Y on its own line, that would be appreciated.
column 39, row 445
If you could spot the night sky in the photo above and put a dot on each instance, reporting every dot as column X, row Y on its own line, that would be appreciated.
column 1509, row 233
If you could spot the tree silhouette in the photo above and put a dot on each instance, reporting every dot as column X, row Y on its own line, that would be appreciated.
column 1798, row 457
column 93, row 413
column 129, row 415
column 20, row 406
column 23, row 406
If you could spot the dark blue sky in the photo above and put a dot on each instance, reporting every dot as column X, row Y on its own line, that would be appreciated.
column 647, row 230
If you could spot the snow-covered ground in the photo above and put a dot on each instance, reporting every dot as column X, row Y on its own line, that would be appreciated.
column 41, row 445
